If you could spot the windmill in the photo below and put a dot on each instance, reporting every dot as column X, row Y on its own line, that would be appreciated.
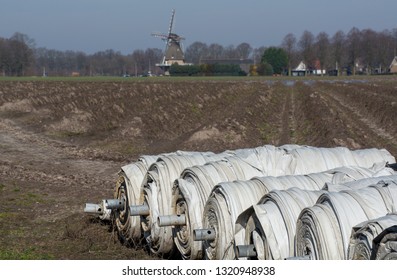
column 173, row 48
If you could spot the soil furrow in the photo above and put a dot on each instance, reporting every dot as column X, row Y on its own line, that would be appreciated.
column 62, row 143
column 286, row 120
column 368, row 133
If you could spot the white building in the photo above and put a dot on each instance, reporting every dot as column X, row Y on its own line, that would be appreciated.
column 393, row 66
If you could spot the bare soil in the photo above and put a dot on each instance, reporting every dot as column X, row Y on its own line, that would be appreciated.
column 63, row 142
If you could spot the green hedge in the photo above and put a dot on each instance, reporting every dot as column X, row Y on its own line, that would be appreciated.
column 206, row 70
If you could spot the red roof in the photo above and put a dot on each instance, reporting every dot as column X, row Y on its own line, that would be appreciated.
column 317, row 64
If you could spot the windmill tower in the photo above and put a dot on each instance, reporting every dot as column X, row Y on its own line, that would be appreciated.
column 173, row 48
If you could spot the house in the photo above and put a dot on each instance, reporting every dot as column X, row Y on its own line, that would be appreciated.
column 393, row 66
column 300, row 70
column 316, row 70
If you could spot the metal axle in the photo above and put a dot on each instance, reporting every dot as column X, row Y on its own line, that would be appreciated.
column 139, row 210
column 101, row 209
column 92, row 208
column 204, row 234
column 171, row 220
column 115, row 204
column 246, row 251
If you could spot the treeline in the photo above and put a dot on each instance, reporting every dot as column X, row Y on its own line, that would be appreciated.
column 358, row 51
column 103, row 63
column 20, row 57
column 365, row 51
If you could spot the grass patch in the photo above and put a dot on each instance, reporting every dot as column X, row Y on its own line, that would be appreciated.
column 32, row 197
column 28, row 199
column 169, row 79
column 26, row 254
column 196, row 111
column 7, row 215
column 120, row 147
column 265, row 132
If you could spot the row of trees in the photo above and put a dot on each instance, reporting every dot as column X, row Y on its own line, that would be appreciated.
column 365, row 51
column 356, row 51
column 104, row 63
column 359, row 50
column 19, row 56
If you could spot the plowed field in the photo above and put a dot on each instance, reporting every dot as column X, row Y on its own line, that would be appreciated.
column 62, row 142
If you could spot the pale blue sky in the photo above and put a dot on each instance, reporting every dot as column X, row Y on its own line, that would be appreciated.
column 126, row 25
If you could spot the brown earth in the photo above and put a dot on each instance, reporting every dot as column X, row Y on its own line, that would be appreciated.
column 63, row 142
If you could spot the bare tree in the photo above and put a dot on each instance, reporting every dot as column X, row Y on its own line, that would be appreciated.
column 353, row 48
column 230, row 52
column 394, row 35
column 243, row 50
column 289, row 45
column 195, row 52
column 215, row 51
column 257, row 54
column 384, row 51
column 20, row 57
column 306, row 45
column 81, row 63
column 20, row 37
column 322, row 50
column 153, row 56
column 338, row 52
column 368, row 45
column 4, row 56
column 138, row 58
column 108, row 62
